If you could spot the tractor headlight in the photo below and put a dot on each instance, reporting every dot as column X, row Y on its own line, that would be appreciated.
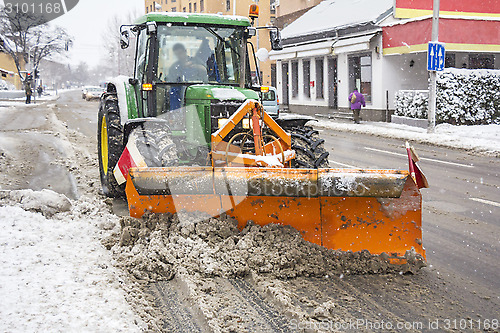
column 222, row 122
column 246, row 123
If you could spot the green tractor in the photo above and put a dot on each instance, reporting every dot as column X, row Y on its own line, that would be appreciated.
column 188, row 132
column 192, row 72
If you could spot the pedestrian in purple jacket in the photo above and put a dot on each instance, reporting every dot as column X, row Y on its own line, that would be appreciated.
column 357, row 100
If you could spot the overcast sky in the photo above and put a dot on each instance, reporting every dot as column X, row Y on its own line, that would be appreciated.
column 87, row 21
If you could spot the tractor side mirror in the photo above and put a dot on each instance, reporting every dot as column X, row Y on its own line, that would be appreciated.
column 275, row 37
column 125, row 39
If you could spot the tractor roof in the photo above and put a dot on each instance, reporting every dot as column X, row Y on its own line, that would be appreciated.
column 196, row 18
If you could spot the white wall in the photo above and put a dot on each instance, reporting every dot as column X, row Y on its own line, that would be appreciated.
column 301, row 99
column 378, row 79
column 398, row 75
column 343, row 81
column 279, row 81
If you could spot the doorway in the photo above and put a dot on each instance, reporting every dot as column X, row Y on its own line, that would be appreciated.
column 332, row 83
column 285, row 84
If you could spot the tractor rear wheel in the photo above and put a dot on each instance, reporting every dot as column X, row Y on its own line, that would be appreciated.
column 155, row 144
column 110, row 145
column 309, row 148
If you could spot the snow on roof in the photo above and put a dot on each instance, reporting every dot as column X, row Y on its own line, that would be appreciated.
column 331, row 14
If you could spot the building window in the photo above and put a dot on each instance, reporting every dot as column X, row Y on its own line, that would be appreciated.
column 202, row 6
column 174, row 9
column 190, row 8
column 194, row 7
column 184, row 9
column 449, row 60
column 273, row 7
column 295, row 79
column 228, row 5
column 319, row 79
column 147, row 10
column 306, row 71
column 481, row 61
column 360, row 75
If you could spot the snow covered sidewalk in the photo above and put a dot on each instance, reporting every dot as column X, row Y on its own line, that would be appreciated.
column 482, row 139
column 55, row 276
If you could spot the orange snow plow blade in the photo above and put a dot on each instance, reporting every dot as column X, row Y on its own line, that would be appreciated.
column 344, row 209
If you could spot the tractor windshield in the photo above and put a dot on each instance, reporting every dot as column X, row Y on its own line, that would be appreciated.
column 198, row 54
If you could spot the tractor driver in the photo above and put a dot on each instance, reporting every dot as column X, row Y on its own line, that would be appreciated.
column 186, row 68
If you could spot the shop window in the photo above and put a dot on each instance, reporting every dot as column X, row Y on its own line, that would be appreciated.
column 319, row 79
column 481, row 61
column 360, row 75
column 295, row 79
column 306, row 71
column 449, row 60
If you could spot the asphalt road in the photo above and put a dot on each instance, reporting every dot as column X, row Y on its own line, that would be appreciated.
column 460, row 218
column 461, row 213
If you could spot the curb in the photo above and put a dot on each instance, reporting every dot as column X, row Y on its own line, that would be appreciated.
column 410, row 136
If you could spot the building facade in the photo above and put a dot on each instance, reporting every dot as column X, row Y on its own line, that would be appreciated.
column 228, row 7
column 288, row 11
column 378, row 47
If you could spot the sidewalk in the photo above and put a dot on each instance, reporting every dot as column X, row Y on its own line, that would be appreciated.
column 479, row 139
column 49, row 95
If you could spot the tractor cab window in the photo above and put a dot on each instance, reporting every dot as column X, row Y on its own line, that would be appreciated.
column 269, row 96
column 141, row 58
column 189, row 54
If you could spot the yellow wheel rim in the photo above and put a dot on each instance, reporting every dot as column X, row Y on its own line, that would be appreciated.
column 104, row 145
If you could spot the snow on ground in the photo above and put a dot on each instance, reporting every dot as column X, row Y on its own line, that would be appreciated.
column 483, row 139
column 55, row 276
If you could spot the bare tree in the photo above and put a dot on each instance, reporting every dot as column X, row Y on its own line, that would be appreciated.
column 119, row 62
column 28, row 40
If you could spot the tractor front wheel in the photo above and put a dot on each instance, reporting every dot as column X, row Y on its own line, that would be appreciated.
column 110, row 145
column 155, row 144
column 309, row 148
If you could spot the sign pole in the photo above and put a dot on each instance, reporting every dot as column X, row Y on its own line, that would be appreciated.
column 433, row 74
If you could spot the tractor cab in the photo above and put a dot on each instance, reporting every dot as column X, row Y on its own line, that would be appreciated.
column 193, row 71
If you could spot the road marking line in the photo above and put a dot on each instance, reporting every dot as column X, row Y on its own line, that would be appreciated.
column 488, row 202
column 345, row 165
column 422, row 158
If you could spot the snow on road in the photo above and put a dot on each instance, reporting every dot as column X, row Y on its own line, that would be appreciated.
column 483, row 139
column 55, row 276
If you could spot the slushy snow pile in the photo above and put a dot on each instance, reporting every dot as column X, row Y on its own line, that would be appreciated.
column 55, row 276
column 159, row 246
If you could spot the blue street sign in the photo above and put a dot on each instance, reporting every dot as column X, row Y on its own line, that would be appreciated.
column 435, row 56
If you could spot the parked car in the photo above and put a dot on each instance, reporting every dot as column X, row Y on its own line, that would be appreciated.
column 93, row 93
column 84, row 92
column 270, row 101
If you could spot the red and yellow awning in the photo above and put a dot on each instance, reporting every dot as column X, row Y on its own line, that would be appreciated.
column 477, row 8
column 459, row 34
